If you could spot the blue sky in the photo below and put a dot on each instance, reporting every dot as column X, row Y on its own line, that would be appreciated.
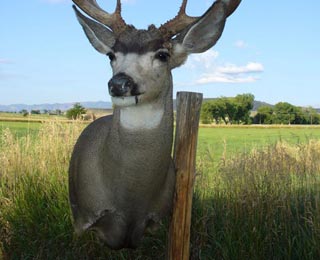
column 269, row 48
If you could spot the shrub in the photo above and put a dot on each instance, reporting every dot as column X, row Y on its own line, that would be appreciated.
column 76, row 111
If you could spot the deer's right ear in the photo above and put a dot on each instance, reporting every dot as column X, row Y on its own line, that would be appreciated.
column 101, row 38
column 202, row 34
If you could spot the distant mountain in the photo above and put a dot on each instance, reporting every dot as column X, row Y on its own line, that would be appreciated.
column 257, row 104
column 55, row 106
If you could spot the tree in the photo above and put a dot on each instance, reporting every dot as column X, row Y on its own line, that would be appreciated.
column 24, row 112
column 236, row 109
column 312, row 116
column 218, row 110
column 229, row 110
column 35, row 112
column 206, row 114
column 284, row 113
column 264, row 115
column 76, row 111
column 244, row 104
column 300, row 117
column 214, row 110
column 58, row 112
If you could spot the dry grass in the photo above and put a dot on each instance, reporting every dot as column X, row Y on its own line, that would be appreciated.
column 50, row 150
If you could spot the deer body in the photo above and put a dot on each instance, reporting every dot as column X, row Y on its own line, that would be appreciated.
column 121, row 176
column 115, row 187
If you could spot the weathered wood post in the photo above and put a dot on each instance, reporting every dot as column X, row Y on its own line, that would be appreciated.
column 187, row 124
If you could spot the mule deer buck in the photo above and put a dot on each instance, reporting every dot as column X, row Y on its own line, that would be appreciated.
column 121, row 176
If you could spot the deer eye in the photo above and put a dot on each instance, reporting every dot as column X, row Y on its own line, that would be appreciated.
column 162, row 56
column 111, row 56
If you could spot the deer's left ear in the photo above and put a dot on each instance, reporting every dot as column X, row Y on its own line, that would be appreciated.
column 100, row 37
column 203, row 34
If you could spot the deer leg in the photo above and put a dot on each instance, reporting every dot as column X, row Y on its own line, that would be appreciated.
column 112, row 229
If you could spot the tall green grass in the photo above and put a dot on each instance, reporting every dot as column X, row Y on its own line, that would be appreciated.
column 263, row 203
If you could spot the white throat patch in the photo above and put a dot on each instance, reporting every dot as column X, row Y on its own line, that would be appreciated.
column 140, row 117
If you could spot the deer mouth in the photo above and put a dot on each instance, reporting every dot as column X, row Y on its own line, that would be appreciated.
column 125, row 101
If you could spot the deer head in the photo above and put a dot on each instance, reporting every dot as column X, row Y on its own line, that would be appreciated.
column 142, row 59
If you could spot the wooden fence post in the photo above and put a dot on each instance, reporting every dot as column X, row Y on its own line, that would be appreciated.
column 185, row 146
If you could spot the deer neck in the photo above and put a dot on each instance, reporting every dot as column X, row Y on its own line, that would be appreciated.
column 144, row 117
column 155, row 117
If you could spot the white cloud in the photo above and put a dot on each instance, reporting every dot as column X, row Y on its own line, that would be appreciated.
column 231, row 73
column 251, row 67
column 204, row 61
column 212, row 71
column 221, row 78
column 241, row 44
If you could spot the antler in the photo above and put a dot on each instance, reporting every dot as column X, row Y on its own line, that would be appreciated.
column 113, row 21
column 182, row 20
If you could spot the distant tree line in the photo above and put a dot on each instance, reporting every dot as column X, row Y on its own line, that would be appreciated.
column 25, row 112
column 76, row 112
column 285, row 113
column 238, row 110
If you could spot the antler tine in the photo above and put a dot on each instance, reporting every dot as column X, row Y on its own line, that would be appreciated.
column 114, row 20
column 118, row 8
column 182, row 20
column 231, row 5
column 178, row 23
column 183, row 7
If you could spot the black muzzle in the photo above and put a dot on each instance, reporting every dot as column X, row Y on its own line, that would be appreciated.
column 122, row 85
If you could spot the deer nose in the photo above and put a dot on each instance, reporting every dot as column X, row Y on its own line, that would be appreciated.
column 121, row 85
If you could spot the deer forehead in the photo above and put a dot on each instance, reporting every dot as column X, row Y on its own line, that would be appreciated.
column 139, row 41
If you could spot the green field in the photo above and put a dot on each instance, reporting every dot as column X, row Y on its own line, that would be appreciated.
column 257, row 195
column 241, row 139
column 20, row 128
column 217, row 139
